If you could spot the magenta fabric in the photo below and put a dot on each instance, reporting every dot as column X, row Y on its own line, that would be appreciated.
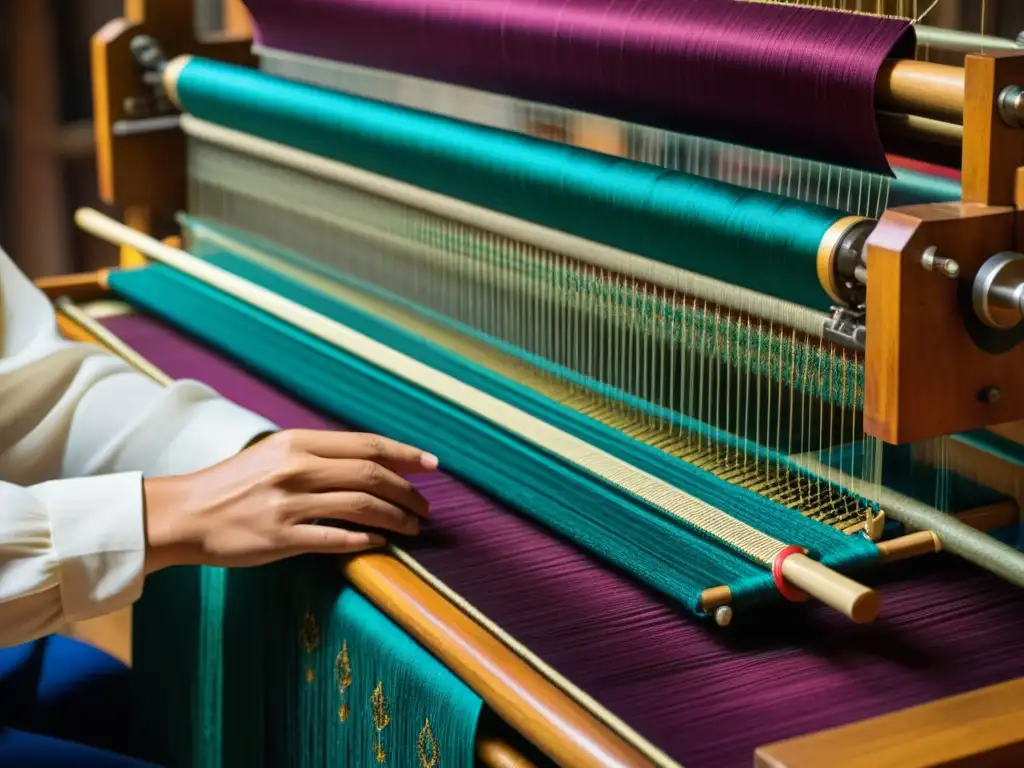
column 787, row 79
column 707, row 696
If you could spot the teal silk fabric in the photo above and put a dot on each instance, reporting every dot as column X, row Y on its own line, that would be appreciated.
column 754, row 239
column 286, row 666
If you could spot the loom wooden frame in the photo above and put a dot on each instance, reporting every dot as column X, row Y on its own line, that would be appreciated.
column 144, row 175
column 514, row 689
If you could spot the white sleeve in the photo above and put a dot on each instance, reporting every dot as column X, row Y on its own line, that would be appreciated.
column 78, row 429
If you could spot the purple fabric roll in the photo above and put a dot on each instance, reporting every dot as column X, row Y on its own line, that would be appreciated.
column 706, row 696
column 786, row 79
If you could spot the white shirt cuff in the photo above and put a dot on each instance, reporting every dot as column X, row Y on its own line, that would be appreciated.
column 98, row 535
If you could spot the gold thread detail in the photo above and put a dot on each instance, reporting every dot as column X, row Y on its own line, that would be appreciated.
column 426, row 744
column 381, row 720
column 310, row 675
column 343, row 674
column 309, row 634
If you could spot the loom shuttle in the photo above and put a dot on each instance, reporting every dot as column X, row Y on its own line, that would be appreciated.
column 859, row 603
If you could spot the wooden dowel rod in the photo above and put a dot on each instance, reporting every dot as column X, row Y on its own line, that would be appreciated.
column 911, row 545
column 495, row 753
column 913, row 128
column 856, row 601
column 987, row 518
column 517, row 693
column 84, row 286
column 921, row 88
column 992, row 517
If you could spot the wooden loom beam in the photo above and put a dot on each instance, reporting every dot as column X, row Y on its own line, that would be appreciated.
column 143, row 173
column 931, row 368
column 980, row 728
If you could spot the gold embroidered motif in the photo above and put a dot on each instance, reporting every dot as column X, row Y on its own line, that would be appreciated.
column 342, row 668
column 381, row 719
column 430, row 754
column 343, row 673
column 309, row 634
column 310, row 675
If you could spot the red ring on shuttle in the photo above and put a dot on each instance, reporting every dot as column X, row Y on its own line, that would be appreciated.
column 789, row 592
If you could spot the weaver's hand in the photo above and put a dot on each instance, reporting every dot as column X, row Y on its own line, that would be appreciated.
column 261, row 505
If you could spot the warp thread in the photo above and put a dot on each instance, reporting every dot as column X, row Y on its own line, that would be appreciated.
column 257, row 666
column 787, row 79
column 758, row 240
column 948, row 627
column 661, row 552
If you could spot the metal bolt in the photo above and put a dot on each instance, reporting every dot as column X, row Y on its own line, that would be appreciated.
column 932, row 262
column 990, row 395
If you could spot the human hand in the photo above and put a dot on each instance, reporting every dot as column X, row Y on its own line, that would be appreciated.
column 260, row 506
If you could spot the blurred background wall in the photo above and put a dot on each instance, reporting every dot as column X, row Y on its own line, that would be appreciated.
column 47, row 157
column 46, row 145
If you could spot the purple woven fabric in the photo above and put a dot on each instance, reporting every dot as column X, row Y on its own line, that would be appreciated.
column 782, row 78
column 707, row 696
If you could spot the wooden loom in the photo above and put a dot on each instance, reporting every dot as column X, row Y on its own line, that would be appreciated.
column 911, row 303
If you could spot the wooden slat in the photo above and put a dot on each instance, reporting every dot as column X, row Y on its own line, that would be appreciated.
column 984, row 728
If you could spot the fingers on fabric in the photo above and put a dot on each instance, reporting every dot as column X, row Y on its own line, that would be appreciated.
column 363, row 509
column 391, row 454
column 315, row 475
column 324, row 539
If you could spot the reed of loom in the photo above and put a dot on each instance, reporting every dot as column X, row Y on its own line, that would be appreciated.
column 931, row 104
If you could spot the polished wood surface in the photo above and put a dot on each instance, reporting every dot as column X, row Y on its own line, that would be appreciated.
column 542, row 713
column 496, row 753
column 992, row 151
column 984, row 728
column 921, row 88
column 924, row 375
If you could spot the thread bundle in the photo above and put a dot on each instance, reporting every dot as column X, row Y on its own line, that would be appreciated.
column 655, row 548
column 947, row 629
column 286, row 666
column 787, row 79
column 758, row 240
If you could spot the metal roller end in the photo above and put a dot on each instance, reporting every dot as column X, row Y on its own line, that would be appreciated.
column 1011, row 106
column 998, row 291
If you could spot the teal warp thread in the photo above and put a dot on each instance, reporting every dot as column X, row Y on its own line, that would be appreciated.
column 267, row 683
column 761, row 241
column 659, row 551
column 200, row 229
column 915, row 188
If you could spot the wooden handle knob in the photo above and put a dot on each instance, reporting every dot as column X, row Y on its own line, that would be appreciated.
column 855, row 600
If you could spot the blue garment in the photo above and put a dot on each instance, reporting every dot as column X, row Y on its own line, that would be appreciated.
column 63, row 702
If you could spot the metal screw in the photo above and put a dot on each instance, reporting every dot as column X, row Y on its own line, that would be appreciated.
column 932, row 262
column 990, row 395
